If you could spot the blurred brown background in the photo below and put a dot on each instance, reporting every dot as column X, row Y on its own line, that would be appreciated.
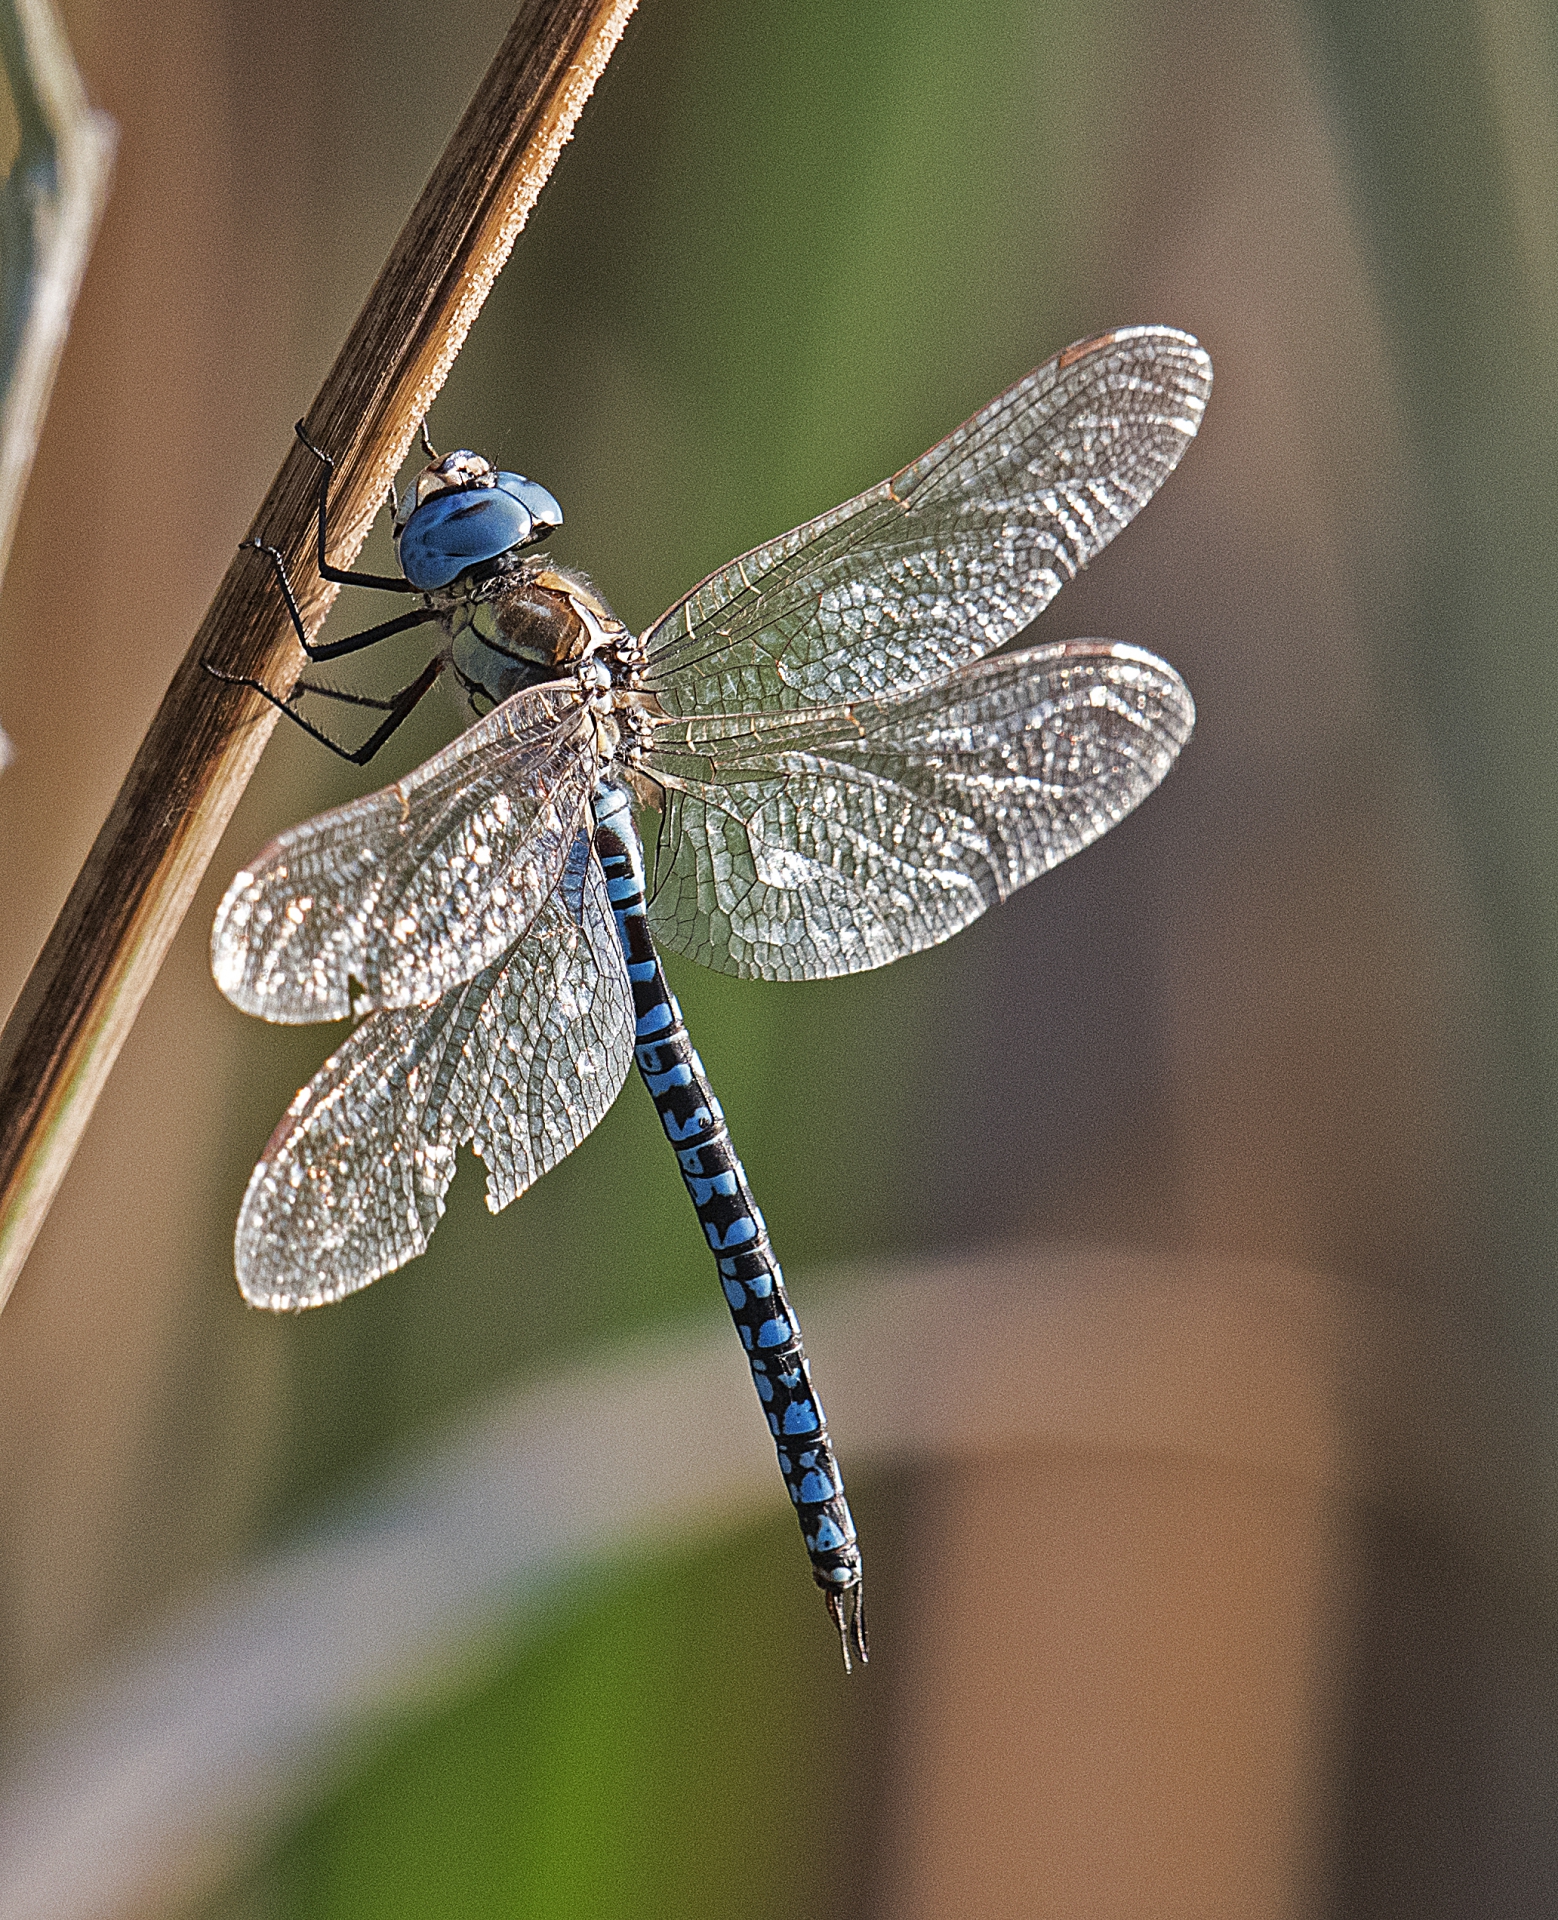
column 1282, row 1052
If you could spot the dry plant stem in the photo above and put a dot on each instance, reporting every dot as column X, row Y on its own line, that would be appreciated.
column 98, row 963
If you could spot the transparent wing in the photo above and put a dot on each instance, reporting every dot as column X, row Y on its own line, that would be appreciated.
column 413, row 889
column 798, row 846
column 522, row 1061
column 950, row 558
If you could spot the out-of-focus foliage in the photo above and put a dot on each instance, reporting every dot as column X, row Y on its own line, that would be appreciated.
column 1450, row 118
column 61, row 153
column 625, row 1754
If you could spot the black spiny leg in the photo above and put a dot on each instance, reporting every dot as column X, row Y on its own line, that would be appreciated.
column 396, row 710
column 399, row 706
column 355, row 642
column 385, row 582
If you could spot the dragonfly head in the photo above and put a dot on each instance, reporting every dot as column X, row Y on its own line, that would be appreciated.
column 460, row 512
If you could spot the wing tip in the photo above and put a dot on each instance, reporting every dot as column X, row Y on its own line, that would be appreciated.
column 1144, row 658
column 263, row 1290
column 1186, row 344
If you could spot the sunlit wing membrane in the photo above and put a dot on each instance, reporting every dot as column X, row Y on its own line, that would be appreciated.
column 799, row 846
column 953, row 556
column 405, row 893
column 522, row 1062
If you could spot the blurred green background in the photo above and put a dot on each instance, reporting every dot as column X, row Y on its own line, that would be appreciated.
column 1302, row 1010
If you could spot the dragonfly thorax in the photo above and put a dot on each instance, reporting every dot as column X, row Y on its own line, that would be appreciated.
column 531, row 623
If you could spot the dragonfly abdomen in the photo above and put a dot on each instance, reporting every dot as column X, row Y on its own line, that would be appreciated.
column 750, row 1276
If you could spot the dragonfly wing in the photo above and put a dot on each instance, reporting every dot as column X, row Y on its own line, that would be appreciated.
column 553, row 1044
column 953, row 556
column 799, row 846
column 399, row 896
column 522, row 1061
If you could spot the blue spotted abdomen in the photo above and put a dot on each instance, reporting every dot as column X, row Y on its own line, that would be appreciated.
column 734, row 1229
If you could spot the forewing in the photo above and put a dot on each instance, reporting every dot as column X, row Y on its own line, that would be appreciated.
column 405, row 893
column 522, row 1062
column 953, row 556
column 795, row 847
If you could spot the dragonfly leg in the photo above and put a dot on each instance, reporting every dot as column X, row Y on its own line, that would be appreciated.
column 385, row 582
column 396, row 709
column 353, row 643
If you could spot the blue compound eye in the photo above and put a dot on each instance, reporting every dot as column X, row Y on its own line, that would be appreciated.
column 460, row 529
column 542, row 507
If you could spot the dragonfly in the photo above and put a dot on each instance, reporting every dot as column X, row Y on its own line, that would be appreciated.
column 843, row 761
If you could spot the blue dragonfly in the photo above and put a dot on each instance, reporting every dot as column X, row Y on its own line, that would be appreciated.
column 845, row 766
